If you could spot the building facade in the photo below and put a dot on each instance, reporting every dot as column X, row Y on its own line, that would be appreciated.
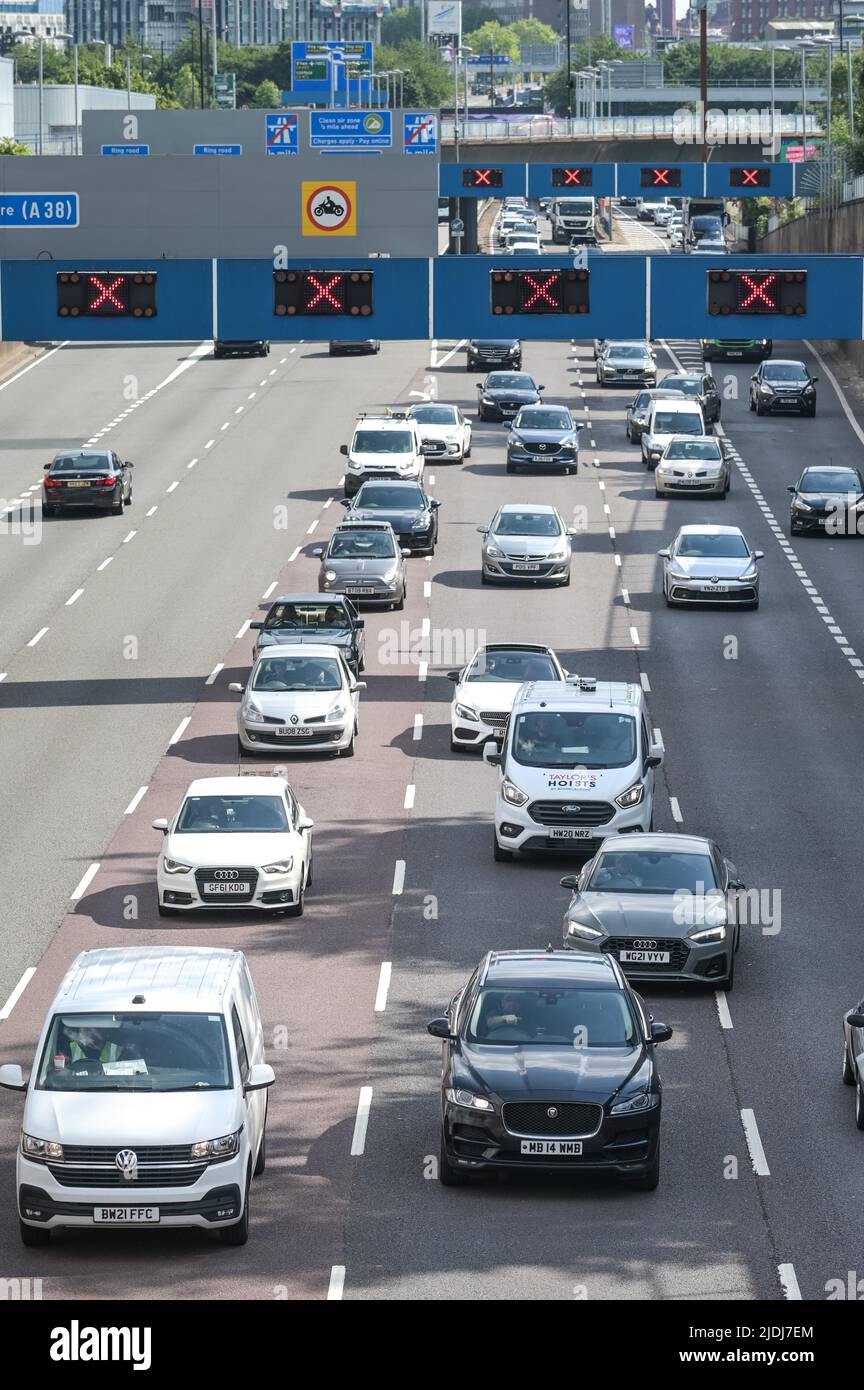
column 60, row 107
column 748, row 18
column 44, row 19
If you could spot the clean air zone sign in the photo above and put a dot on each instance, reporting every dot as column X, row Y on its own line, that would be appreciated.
column 280, row 132
column 420, row 132
column 329, row 208
column 444, row 17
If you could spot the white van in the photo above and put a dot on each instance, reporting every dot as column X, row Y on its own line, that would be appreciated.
column 668, row 418
column 575, row 763
column 383, row 446
column 147, row 1102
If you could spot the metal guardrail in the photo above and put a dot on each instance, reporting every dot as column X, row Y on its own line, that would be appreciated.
column 561, row 127
column 853, row 189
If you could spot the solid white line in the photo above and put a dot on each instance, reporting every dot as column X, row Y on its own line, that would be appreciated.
column 634, row 636
column 788, row 1280
column 3, row 675
column 722, row 1002
column 844, row 405
column 73, row 598
column 625, row 594
column 361, row 1123
column 676, row 810
column 172, row 486
column 311, row 527
column 384, row 978
column 268, row 591
column 136, row 801
column 17, row 991
column 410, row 792
column 754, row 1144
column 127, row 539
column 418, row 727
column 214, row 673
column 179, row 731
column 427, row 588
column 658, row 738
column 38, row 638
column 85, row 883
column 242, row 633
column 337, row 1284
column 151, row 511
column 398, row 877
column 294, row 554
column 24, row 370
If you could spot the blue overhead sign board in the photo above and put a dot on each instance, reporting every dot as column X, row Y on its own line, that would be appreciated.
column 501, row 60
column 280, row 132
column 125, row 149
column 649, row 181
column 39, row 210
column 350, row 130
column 743, row 179
column 482, row 180
column 217, row 149
column 311, row 76
column 571, row 180
column 420, row 132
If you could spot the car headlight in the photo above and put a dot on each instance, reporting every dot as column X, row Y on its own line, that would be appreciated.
column 41, row 1149
column 457, row 1096
column 336, row 713
column 717, row 933
column 217, row 1148
column 354, row 467
column 560, row 554
column 420, row 523
column 390, row 576
column 487, row 400
column 512, row 794
column 766, row 390
column 809, row 390
column 631, row 797
column 253, row 714
column 282, row 866
column 493, row 550
column 748, row 576
column 330, row 576
column 173, row 866
column 676, row 573
column 466, row 712
column 631, row 1105
column 580, row 929
column 800, row 505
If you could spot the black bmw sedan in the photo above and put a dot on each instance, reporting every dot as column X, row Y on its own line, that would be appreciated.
column 549, row 1066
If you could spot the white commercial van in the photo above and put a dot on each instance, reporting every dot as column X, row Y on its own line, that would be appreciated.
column 383, row 446
column 668, row 418
column 147, row 1102
column 575, row 763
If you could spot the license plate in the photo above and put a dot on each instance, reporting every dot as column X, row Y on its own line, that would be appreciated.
column 356, row 590
column 136, row 1214
column 78, row 482
column 734, row 354
column 240, row 887
column 299, row 732
column 644, row 957
column 691, row 482
column 715, row 588
column 570, row 1147
column 519, row 565
column 570, row 832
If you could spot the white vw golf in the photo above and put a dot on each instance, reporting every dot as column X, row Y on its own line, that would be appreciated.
column 302, row 697
column 235, row 842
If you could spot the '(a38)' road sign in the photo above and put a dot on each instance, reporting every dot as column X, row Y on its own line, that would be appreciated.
column 38, row 210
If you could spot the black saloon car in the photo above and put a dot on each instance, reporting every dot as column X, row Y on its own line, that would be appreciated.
column 241, row 347
column 827, row 499
column 549, row 1066
column 316, row 618
column 543, row 436
column 345, row 347
column 94, row 478
column 783, row 385
column 494, row 352
column 502, row 395
column 413, row 515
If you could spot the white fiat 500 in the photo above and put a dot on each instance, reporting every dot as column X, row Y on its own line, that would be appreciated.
column 236, row 842
column 302, row 697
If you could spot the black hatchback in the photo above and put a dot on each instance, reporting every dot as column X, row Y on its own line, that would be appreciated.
column 827, row 498
column 94, row 478
column 413, row 515
column 549, row 1066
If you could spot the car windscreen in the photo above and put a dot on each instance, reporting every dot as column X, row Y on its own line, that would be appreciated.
column 435, row 414
column 575, row 207
column 383, row 442
column 784, row 371
column 512, row 666
column 688, row 385
column 543, row 420
column 527, row 524
column 552, row 1014
column 362, row 545
column 135, row 1052
column 650, row 871
column 378, row 497
column 707, row 547
column 509, row 381
column 79, row 464
column 297, row 616
column 234, row 815
column 627, row 353
column 297, row 673
column 693, row 449
column 642, row 401
column 574, row 738
column 829, row 480
column 669, row 422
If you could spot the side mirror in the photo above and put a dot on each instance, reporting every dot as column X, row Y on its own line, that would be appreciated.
column 483, row 530
column 758, row 554
column 345, row 501
column 479, row 385
column 854, row 1021
column 813, row 380
column 791, row 488
column 45, row 467
column 236, row 687
column 736, row 885
column 660, row 1032
column 541, row 388
column 256, row 626
column 654, row 760
column 572, row 531
column 359, row 622
column 570, row 881
column 664, row 553
column 405, row 553
column 161, row 824
column 359, row 685
column 319, row 550
column 454, row 676
column 12, row 1077
column 343, row 449
column 434, row 503
column 261, row 1075
column 754, row 377
column 439, row 1028
column 129, row 465
column 492, row 753
column 305, row 823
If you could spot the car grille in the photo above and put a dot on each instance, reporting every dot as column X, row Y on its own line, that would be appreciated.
column 248, row 877
column 434, row 446
column 146, row 1153
column 494, row 716
column 282, row 721
column 742, row 594
column 585, row 812
column 678, row 951
column 110, row 1176
column 286, row 741
column 549, row 449
column 532, row 1118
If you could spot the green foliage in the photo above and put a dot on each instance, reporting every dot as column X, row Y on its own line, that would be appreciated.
column 266, row 94
column 493, row 37
column 10, row 146
column 399, row 26
column 533, row 31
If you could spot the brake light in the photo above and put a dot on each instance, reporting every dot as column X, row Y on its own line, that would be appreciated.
column 52, row 482
column 106, row 482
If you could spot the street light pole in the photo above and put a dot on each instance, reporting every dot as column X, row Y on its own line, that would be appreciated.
column 201, row 51
column 569, row 4
column 75, row 80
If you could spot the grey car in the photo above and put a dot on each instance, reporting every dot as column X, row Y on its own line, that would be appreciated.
column 639, row 410
column 526, row 542
column 663, row 905
column 364, row 561
column 699, row 467
column 702, row 387
column 710, row 564
column 543, row 436
column 853, row 1057
column 622, row 364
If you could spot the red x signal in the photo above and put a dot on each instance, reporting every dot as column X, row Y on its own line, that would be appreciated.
column 482, row 176
column 755, row 291
column 749, row 176
column 661, row 176
column 572, row 176
column 537, row 291
column 106, row 293
column 320, row 291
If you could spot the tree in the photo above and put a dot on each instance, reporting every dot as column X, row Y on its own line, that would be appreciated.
column 10, row 146
column 533, row 31
column 399, row 26
column 267, row 94
column 493, row 37
column 186, row 88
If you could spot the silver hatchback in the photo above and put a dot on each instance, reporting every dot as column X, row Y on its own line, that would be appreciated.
column 526, row 542
column 710, row 564
column 364, row 560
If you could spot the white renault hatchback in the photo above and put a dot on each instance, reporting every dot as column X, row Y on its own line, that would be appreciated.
column 146, row 1105
column 299, row 698
column 236, row 842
